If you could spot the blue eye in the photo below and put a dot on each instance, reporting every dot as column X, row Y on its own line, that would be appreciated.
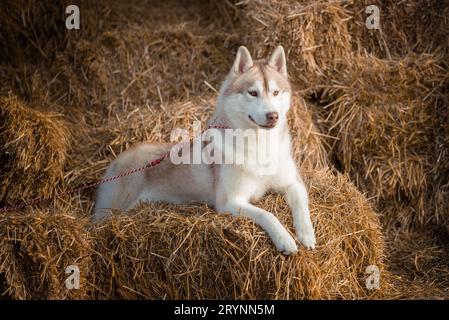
column 253, row 93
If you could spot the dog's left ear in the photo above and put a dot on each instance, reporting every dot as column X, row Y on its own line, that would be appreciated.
column 278, row 61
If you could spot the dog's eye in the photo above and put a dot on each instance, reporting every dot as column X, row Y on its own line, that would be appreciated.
column 253, row 93
column 275, row 92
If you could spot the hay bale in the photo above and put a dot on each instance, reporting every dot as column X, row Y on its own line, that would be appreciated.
column 33, row 148
column 33, row 30
column 419, row 260
column 26, row 26
column 33, row 35
column 36, row 247
column 402, row 163
column 419, row 26
column 187, row 252
column 148, row 55
column 390, row 121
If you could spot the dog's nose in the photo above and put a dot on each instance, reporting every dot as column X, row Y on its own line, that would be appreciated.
column 272, row 117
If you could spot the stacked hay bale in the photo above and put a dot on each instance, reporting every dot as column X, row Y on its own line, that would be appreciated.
column 165, row 54
column 34, row 146
column 309, row 143
column 419, row 256
column 390, row 119
column 36, row 247
column 393, row 143
column 33, row 34
column 323, row 35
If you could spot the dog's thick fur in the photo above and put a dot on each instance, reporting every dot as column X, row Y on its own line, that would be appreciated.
column 255, row 95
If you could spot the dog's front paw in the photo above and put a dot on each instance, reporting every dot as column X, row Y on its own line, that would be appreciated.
column 306, row 235
column 285, row 243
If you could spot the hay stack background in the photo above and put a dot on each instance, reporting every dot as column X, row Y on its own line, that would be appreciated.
column 347, row 226
column 141, row 241
column 155, row 125
column 165, row 52
column 125, row 76
column 419, row 26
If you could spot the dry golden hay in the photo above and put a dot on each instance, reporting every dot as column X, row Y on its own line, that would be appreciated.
column 164, row 251
column 309, row 144
column 36, row 247
column 33, row 35
column 322, row 38
column 34, row 145
column 419, row 261
column 163, row 53
column 420, row 26
column 390, row 118
column 355, row 243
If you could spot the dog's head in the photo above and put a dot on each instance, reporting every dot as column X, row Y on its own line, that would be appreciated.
column 256, row 94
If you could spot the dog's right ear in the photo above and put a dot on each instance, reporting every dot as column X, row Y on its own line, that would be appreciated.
column 243, row 61
column 278, row 61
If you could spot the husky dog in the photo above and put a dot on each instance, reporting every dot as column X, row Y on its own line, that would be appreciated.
column 255, row 95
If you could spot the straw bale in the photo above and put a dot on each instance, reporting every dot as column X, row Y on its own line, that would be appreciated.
column 389, row 118
column 420, row 26
column 34, row 146
column 36, row 247
column 164, row 53
column 34, row 30
column 379, row 98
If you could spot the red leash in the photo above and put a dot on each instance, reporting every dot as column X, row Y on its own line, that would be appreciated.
column 150, row 164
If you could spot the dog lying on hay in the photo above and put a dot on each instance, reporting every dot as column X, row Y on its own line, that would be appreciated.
column 252, row 106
